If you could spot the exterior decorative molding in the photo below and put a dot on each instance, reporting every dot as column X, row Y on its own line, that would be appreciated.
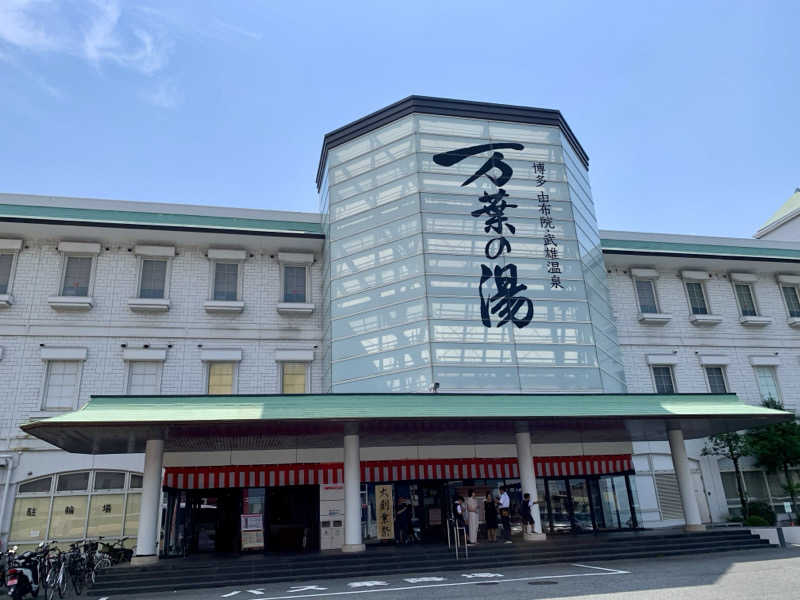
column 294, row 355
column 295, row 258
column 744, row 277
column 77, row 248
column 10, row 245
column 6, row 300
column 765, row 361
column 714, row 360
column 644, row 273
column 71, row 302
column 662, row 359
column 295, row 308
column 144, row 354
column 789, row 279
column 148, row 305
column 224, row 306
column 695, row 275
column 154, row 251
column 705, row 320
column 654, row 318
column 221, row 355
column 793, row 322
column 222, row 254
column 64, row 353
column 755, row 321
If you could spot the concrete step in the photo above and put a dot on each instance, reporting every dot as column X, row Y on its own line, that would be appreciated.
column 526, row 555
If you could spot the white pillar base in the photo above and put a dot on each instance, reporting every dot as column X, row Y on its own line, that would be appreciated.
column 695, row 528
column 142, row 561
column 534, row 537
column 354, row 548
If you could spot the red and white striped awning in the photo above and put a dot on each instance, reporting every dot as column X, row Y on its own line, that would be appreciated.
column 390, row 470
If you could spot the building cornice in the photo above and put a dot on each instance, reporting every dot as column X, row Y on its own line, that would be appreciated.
column 451, row 108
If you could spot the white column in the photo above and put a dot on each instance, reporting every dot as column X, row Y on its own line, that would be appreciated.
column 527, row 477
column 147, row 537
column 680, row 461
column 352, row 491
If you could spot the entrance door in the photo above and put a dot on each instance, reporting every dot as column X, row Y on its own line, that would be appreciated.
column 559, row 517
column 292, row 519
column 581, row 505
column 214, row 521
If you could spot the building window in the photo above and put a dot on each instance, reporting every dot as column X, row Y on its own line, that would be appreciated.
column 221, row 378
column 6, row 264
column 144, row 378
column 77, row 275
column 664, row 379
column 646, row 292
column 716, row 380
column 792, row 301
column 62, row 383
column 153, row 280
column 226, row 281
column 745, row 299
column 767, row 383
column 294, row 377
column 697, row 298
column 83, row 504
column 294, row 283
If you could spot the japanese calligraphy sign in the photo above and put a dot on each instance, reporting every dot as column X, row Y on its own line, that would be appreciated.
column 502, row 295
column 384, row 510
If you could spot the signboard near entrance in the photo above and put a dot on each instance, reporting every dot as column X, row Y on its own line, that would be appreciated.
column 384, row 504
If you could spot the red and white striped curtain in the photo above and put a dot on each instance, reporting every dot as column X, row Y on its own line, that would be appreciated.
column 390, row 470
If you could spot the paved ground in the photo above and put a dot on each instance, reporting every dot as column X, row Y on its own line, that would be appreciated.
column 762, row 574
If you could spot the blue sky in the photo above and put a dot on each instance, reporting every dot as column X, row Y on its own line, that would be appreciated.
column 689, row 111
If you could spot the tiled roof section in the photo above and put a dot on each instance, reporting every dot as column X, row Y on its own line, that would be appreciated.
column 156, row 220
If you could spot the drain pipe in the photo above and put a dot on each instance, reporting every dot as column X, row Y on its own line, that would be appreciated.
column 9, row 460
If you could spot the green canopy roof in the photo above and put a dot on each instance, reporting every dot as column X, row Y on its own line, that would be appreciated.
column 123, row 423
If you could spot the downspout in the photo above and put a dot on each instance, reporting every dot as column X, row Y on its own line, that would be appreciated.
column 9, row 461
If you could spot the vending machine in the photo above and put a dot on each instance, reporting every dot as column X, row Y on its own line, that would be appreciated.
column 331, row 516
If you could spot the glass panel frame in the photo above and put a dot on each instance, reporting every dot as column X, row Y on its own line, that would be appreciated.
column 745, row 299
column 77, row 277
column 663, row 379
column 646, row 295
column 696, row 293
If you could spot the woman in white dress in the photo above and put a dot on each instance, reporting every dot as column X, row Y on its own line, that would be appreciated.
column 472, row 517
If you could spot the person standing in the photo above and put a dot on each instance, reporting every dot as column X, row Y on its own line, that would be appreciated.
column 472, row 516
column 490, row 510
column 526, row 512
column 505, row 514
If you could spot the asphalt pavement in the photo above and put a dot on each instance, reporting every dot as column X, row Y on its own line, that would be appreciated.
column 765, row 574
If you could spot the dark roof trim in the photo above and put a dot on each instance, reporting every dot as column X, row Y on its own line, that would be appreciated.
column 696, row 255
column 451, row 108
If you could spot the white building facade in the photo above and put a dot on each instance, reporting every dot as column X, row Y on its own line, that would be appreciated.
column 402, row 285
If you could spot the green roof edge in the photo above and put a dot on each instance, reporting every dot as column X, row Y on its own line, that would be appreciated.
column 176, row 220
column 654, row 247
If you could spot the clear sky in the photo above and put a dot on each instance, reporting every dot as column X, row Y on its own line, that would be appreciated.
column 689, row 111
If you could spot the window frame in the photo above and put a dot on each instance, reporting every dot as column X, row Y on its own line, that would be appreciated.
column 11, row 271
column 724, row 373
column 774, row 370
column 129, row 371
column 167, row 275
column 703, row 290
column 213, row 278
column 307, row 366
column 282, row 296
column 64, row 260
column 45, row 380
column 752, row 290
column 652, row 282
column 671, row 369
column 783, row 298
column 235, row 381
column 88, row 493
